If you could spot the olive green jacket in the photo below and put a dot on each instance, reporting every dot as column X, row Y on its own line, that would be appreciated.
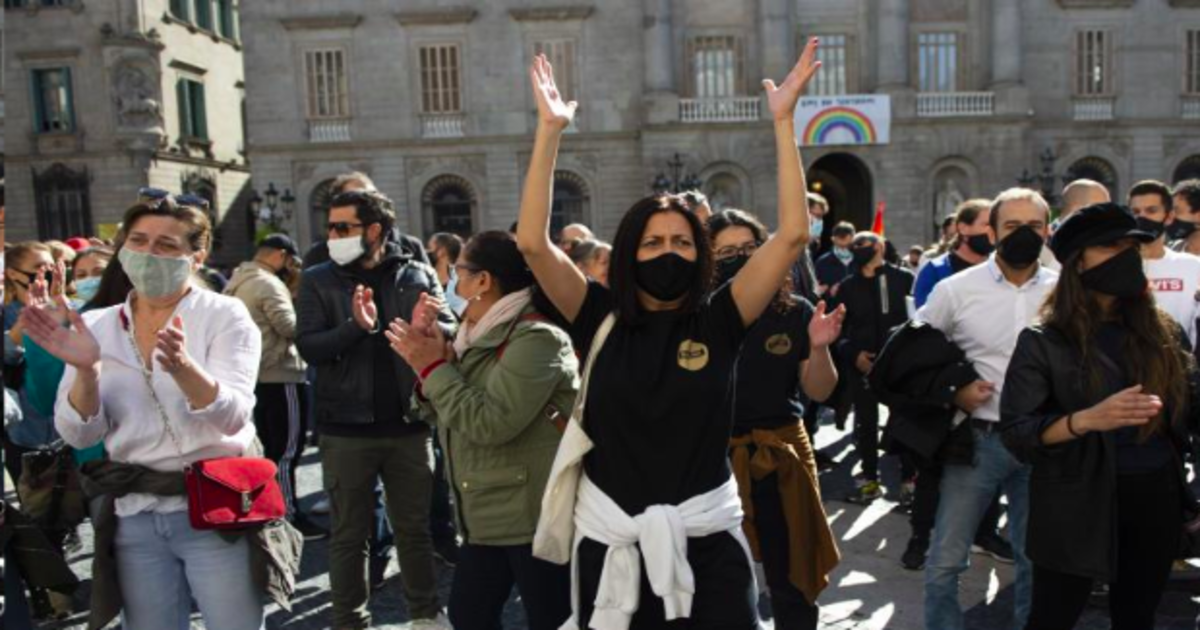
column 494, row 413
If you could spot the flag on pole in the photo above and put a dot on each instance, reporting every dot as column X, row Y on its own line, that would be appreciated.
column 877, row 226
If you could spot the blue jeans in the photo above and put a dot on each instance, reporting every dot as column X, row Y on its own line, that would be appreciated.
column 966, row 492
column 162, row 563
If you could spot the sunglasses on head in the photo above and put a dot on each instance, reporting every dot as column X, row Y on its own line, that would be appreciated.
column 342, row 228
column 153, row 195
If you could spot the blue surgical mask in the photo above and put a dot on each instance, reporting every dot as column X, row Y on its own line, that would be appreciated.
column 816, row 228
column 843, row 254
column 86, row 288
column 456, row 304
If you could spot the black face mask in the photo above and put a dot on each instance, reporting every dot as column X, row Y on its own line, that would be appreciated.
column 1180, row 230
column 1021, row 248
column 1152, row 227
column 727, row 268
column 981, row 244
column 667, row 277
column 863, row 255
column 1120, row 276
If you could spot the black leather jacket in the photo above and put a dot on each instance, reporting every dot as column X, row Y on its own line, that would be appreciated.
column 329, row 339
column 1072, row 486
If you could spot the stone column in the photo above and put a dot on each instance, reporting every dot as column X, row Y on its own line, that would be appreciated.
column 893, row 45
column 775, row 29
column 1006, row 42
column 660, row 73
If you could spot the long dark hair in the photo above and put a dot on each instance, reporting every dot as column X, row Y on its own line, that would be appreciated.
column 114, row 283
column 622, row 273
column 731, row 218
column 1152, row 351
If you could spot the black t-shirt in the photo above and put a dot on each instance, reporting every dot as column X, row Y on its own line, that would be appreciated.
column 657, row 406
column 958, row 264
column 768, row 394
column 1133, row 455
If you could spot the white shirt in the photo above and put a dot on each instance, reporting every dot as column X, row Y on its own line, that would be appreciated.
column 1175, row 279
column 982, row 313
column 223, row 340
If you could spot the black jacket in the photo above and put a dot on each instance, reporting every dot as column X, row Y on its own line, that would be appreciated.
column 867, row 324
column 329, row 339
column 830, row 270
column 917, row 375
column 1072, row 486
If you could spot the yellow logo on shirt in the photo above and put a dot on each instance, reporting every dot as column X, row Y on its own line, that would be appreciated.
column 780, row 344
column 693, row 355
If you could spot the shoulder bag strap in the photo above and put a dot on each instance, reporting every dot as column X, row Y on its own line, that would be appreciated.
column 148, row 379
column 597, row 344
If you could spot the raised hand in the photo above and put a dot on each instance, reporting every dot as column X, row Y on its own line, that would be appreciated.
column 362, row 306
column 425, row 313
column 171, row 345
column 552, row 111
column 58, row 279
column 824, row 329
column 419, row 350
column 782, row 99
column 75, row 345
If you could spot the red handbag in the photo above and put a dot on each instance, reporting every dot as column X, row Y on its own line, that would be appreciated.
column 224, row 492
column 233, row 493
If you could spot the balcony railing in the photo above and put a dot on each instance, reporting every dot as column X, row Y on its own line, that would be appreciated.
column 719, row 110
column 329, row 130
column 1189, row 107
column 954, row 104
column 443, row 125
column 1092, row 109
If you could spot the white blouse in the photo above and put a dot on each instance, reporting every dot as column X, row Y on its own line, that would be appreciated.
column 223, row 340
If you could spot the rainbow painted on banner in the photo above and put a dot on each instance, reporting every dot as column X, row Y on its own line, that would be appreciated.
column 830, row 120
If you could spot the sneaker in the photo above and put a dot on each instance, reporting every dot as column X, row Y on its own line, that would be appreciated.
column 914, row 556
column 321, row 506
column 994, row 545
column 908, row 493
column 866, row 493
column 438, row 623
column 446, row 551
column 309, row 529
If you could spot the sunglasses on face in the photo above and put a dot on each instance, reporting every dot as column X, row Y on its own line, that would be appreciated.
column 342, row 228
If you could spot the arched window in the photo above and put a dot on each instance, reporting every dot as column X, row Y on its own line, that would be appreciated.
column 724, row 190
column 448, row 204
column 571, row 201
column 1096, row 169
column 1189, row 168
column 318, row 208
column 63, row 203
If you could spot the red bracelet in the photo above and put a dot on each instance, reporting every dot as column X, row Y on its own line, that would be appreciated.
column 430, row 368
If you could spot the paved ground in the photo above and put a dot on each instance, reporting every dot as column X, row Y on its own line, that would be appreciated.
column 869, row 591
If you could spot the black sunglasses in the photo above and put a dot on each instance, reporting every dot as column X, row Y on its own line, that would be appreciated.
column 153, row 195
column 342, row 227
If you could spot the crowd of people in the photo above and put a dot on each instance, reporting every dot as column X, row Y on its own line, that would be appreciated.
column 621, row 432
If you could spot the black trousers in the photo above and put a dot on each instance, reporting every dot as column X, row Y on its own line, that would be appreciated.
column 724, row 587
column 279, row 417
column 441, row 518
column 1149, row 516
column 925, row 503
column 485, row 577
column 866, row 424
column 792, row 609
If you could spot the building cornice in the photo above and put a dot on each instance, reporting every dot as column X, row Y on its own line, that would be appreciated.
column 1097, row 4
column 317, row 22
column 557, row 14
column 430, row 17
column 52, row 53
column 435, row 145
column 179, row 64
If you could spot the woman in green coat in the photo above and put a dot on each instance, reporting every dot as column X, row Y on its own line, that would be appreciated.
column 498, row 395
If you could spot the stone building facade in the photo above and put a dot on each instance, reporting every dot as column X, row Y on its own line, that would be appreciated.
column 107, row 97
column 431, row 98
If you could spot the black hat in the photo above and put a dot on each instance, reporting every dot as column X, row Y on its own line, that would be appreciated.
column 1098, row 224
column 280, row 241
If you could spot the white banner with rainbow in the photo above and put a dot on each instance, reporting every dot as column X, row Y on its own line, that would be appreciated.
column 844, row 120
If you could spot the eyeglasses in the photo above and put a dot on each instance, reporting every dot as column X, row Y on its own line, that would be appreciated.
column 342, row 227
column 730, row 251
column 462, row 269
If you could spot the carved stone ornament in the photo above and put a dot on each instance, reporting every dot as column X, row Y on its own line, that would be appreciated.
column 138, row 103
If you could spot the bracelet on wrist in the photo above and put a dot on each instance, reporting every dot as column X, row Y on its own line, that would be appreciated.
column 1071, row 427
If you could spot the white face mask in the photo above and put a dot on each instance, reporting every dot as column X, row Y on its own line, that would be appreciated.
column 460, row 306
column 344, row 251
column 155, row 276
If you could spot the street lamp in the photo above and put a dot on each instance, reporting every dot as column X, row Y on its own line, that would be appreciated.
column 677, row 182
column 272, row 208
column 1045, row 180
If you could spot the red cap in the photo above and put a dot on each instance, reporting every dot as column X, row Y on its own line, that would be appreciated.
column 78, row 243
